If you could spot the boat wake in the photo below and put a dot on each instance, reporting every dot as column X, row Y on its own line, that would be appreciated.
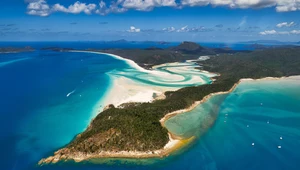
column 12, row 61
column 71, row 93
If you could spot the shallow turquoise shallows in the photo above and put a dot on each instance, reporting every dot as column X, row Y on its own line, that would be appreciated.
column 46, row 98
column 258, row 127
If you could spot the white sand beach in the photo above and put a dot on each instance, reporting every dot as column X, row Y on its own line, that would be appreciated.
column 165, row 77
column 125, row 90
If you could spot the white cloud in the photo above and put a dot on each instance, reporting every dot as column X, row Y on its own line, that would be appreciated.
column 76, row 8
column 134, row 29
column 42, row 8
column 287, row 5
column 194, row 29
column 285, row 24
column 183, row 29
column 169, row 29
column 114, row 7
column 231, row 3
column 274, row 32
column 38, row 7
column 295, row 32
column 252, row 3
column 195, row 2
column 147, row 5
column 281, row 5
column 268, row 32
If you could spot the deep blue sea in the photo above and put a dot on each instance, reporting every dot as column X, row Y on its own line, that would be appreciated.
column 37, row 117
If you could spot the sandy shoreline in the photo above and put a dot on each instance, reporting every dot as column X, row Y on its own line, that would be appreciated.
column 125, row 90
column 129, row 62
column 174, row 143
column 64, row 155
column 195, row 104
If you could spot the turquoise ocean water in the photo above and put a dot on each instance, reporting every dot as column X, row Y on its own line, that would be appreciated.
column 257, row 127
column 37, row 117
column 48, row 97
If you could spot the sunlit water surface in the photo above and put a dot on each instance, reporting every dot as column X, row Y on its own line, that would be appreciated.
column 48, row 97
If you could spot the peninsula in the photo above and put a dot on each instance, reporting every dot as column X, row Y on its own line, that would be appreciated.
column 137, row 131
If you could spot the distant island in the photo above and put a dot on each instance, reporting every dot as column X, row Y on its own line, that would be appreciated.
column 123, row 41
column 15, row 49
column 149, row 57
column 137, row 130
column 58, row 49
column 271, row 43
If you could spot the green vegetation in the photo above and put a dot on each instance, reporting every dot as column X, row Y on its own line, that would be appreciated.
column 137, row 128
column 58, row 49
column 155, row 56
column 258, row 64
column 149, row 57
column 15, row 49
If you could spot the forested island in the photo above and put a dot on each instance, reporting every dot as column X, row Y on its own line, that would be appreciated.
column 137, row 128
column 15, row 49
column 152, row 56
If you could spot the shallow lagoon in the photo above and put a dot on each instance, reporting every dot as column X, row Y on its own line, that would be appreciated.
column 48, row 97
column 32, row 129
column 258, row 127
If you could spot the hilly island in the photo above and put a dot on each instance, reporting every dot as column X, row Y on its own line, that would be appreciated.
column 137, row 130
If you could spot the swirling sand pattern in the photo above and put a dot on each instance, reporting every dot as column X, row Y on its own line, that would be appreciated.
column 168, row 75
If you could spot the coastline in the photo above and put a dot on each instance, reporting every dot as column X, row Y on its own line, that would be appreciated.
column 125, row 90
column 195, row 104
column 120, row 84
column 129, row 62
column 174, row 143
column 118, row 92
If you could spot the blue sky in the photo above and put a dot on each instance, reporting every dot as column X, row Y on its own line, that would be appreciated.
column 158, row 20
